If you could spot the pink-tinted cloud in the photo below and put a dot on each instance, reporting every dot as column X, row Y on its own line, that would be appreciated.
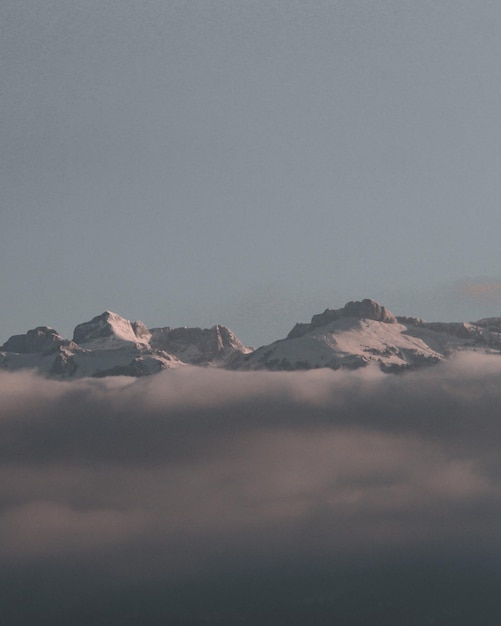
column 198, row 474
column 486, row 291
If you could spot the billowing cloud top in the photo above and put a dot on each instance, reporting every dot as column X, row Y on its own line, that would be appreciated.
column 198, row 496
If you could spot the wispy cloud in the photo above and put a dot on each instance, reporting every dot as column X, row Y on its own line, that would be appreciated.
column 488, row 291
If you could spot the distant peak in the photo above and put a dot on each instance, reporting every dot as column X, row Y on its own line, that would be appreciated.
column 110, row 324
column 110, row 315
column 198, row 345
column 39, row 339
column 368, row 309
column 358, row 309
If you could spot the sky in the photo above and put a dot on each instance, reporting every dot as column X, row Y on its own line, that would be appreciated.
column 201, row 496
column 248, row 163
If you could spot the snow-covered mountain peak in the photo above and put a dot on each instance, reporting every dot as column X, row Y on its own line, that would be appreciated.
column 358, row 334
column 107, row 330
column 110, row 345
column 364, row 332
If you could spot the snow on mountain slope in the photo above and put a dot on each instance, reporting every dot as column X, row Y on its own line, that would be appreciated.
column 349, row 343
column 365, row 332
column 109, row 331
column 122, row 362
column 106, row 345
column 77, row 363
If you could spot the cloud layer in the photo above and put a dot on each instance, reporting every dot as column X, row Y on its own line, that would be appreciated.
column 128, row 494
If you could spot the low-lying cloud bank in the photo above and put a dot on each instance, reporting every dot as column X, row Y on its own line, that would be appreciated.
column 130, row 499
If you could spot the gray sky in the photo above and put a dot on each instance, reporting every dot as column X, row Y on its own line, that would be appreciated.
column 248, row 163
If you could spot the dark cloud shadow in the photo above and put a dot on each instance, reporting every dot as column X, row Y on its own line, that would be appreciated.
column 207, row 497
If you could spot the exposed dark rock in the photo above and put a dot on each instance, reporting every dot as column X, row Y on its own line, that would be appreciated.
column 492, row 323
column 141, row 330
column 40, row 339
column 370, row 310
column 328, row 316
column 410, row 321
column 136, row 368
column 196, row 345
column 365, row 309
column 458, row 329
column 63, row 366
column 299, row 330
column 98, row 326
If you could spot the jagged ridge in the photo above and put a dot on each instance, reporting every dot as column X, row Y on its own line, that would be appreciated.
column 110, row 345
column 356, row 335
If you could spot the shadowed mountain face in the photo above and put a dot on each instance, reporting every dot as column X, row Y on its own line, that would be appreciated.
column 359, row 334
column 40, row 339
column 198, row 346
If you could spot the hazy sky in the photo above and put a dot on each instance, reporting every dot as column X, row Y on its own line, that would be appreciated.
column 248, row 162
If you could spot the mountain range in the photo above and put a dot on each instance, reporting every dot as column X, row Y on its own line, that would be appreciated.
column 354, row 336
